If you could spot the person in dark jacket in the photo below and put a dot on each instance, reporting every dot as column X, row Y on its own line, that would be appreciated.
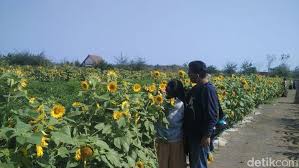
column 200, row 116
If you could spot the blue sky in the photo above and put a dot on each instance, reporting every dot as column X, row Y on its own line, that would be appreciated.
column 161, row 31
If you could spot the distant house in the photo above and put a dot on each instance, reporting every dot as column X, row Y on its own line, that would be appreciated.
column 264, row 73
column 92, row 60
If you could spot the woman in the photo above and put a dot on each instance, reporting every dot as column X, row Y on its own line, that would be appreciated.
column 170, row 147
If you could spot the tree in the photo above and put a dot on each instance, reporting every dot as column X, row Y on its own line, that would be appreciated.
column 121, row 60
column 296, row 73
column 138, row 64
column 27, row 58
column 284, row 58
column 270, row 60
column 282, row 70
column 248, row 68
column 212, row 69
column 103, row 65
column 230, row 68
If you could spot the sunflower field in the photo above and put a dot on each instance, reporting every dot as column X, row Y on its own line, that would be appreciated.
column 109, row 119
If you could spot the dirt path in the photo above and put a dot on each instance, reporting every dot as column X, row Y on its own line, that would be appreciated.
column 274, row 133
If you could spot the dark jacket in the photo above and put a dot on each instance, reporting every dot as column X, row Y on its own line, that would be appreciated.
column 201, row 111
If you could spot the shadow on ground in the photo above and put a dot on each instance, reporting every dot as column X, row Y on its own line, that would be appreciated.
column 291, row 134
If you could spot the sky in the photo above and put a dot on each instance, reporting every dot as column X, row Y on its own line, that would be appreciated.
column 161, row 31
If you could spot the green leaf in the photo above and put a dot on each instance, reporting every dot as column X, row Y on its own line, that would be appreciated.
column 4, row 152
column 66, row 129
column 7, row 165
column 62, row 137
column 63, row 152
column 35, row 138
column 104, row 97
column 3, row 132
column 102, row 144
column 131, row 161
column 74, row 113
column 53, row 121
column 114, row 158
column 100, row 126
column 21, row 140
column 72, row 164
column 70, row 120
column 141, row 155
column 121, row 122
column 21, row 127
column 117, row 143
column 107, row 129
column 125, row 142
column 104, row 159
column 126, row 146
column 241, row 104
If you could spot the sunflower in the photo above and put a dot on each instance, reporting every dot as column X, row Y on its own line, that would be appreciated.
column 182, row 73
column 156, row 74
column 76, row 104
column 187, row 81
column 24, row 83
column 125, row 105
column 39, row 151
column 112, row 87
column 210, row 157
column 164, row 82
column 78, row 154
column 151, row 98
column 86, row 152
column 244, row 82
column 152, row 88
column 40, row 109
column 162, row 87
column 139, row 164
column 117, row 115
column 85, row 108
column 51, row 127
column 220, row 97
column 172, row 101
column 84, row 85
column 111, row 73
column 58, row 111
column 126, row 114
column 136, row 87
column 158, row 99
column 32, row 100
column 43, row 142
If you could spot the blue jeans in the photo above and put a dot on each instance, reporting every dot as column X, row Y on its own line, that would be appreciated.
column 198, row 154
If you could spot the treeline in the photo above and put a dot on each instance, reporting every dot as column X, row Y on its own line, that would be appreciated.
column 123, row 62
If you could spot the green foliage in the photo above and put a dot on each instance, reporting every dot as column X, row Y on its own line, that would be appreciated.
column 296, row 73
column 212, row 69
column 247, row 68
column 282, row 70
column 64, row 92
column 117, row 126
column 103, row 65
column 26, row 58
column 137, row 64
column 230, row 68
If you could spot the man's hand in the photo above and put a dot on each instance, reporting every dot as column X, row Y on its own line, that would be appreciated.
column 205, row 141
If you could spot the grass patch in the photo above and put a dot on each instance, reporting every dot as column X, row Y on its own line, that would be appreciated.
column 64, row 92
